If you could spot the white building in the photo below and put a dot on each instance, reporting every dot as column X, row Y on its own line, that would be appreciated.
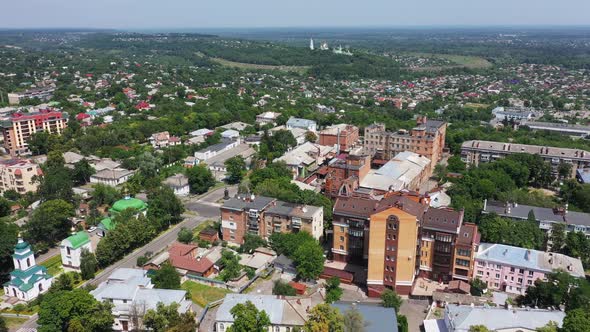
column 231, row 134
column 71, row 250
column 267, row 118
column 306, row 124
column 28, row 279
column 213, row 150
column 131, row 290
column 178, row 183
column 112, row 177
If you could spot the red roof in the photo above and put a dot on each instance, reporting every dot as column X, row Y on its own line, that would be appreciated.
column 182, row 257
column 82, row 116
column 298, row 286
column 18, row 172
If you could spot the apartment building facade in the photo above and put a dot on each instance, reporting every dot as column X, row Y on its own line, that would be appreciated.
column 476, row 152
column 342, row 135
column 21, row 126
column 18, row 175
column 264, row 216
column 43, row 94
column 513, row 269
column 426, row 139
column 466, row 247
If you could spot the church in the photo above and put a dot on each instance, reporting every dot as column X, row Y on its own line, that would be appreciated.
column 28, row 279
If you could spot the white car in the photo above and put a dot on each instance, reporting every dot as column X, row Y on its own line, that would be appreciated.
column 91, row 229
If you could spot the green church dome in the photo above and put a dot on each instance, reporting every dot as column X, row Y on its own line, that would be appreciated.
column 128, row 203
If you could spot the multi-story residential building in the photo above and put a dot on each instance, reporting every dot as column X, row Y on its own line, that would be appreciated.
column 475, row 152
column 466, row 246
column 43, row 94
column 545, row 217
column 426, row 139
column 282, row 217
column 18, row 175
column 263, row 216
column 439, row 232
column 344, row 136
column 513, row 113
column 513, row 269
column 21, row 126
column 305, row 124
column 399, row 236
column 71, row 250
column 131, row 291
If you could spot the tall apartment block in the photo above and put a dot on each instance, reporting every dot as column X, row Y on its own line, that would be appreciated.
column 264, row 216
column 400, row 237
column 475, row 152
column 21, row 126
column 426, row 139
column 18, row 175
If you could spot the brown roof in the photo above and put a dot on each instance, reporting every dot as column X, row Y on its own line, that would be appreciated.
column 402, row 202
column 447, row 220
column 468, row 234
column 354, row 206
column 332, row 272
column 182, row 257
column 208, row 231
column 458, row 286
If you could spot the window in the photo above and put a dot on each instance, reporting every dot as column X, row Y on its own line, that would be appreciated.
column 342, row 239
column 462, row 262
column 342, row 229
column 497, row 275
column 221, row 327
column 512, row 270
column 498, row 266
column 521, row 271
column 496, row 284
column 529, row 282
column 530, row 273
column 341, row 247
column 387, row 257
column 479, row 272
column 520, row 280
column 394, row 237
column 464, row 252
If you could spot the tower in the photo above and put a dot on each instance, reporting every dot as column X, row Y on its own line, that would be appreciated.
column 311, row 44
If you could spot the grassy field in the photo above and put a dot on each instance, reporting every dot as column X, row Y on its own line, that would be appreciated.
column 53, row 265
column 13, row 322
column 203, row 294
column 472, row 62
column 476, row 105
column 242, row 65
column 202, row 226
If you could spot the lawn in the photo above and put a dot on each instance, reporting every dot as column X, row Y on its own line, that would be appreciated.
column 243, row 65
column 203, row 294
column 53, row 265
column 14, row 322
column 202, row 226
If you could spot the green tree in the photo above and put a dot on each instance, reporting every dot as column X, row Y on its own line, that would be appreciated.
column 58, row 309
column 252, row 242
column 310, row 136
column 550, row 327
column 564, row 170
column 309, row 260
column 247, row 318
column 577, row 321
column 166, row 278
column 283, row 288
column 165, row 318
column 164, row 206
column 557, row 237
column 200, row 179
column 8, row 238
column 82, row 172
column 478, row 287
column 354, row 320
column 105, row 195
column 3, row 327
column 56, row 181
column 402, row 323
column 333, row 290
column 149, row 165
column 236, row 169
column 50, row 221
column 478, row 328
column 455, row 164
column 88, row 264
column 231, row 265
column 12, row 195
column 390, row 299
column 185, row 236
column 323, row 318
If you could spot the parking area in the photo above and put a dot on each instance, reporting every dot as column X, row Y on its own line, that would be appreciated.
column 415, row 312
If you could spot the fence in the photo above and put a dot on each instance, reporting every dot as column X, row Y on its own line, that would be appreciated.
column 206, row 309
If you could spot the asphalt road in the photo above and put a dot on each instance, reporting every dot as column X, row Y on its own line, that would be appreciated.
column 206, row 208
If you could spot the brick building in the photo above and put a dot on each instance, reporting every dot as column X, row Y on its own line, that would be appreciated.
column 264, row 216
column 21, row 126
column 426, row 139
column 344, row 135
column 341, row 169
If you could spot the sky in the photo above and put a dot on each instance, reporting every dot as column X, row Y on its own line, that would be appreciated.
column 163, row 14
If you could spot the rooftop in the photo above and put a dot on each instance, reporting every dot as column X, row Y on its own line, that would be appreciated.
column 378, row 318
column 247, row 202
column 524, row 148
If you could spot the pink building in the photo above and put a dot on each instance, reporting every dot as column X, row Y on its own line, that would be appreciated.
column 513, row 269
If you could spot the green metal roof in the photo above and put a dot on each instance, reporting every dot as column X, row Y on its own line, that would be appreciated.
column 21, row 245
column 128, row 203
column 29, row 272
column 107, row 224
column 21, row 256
column 79, row 239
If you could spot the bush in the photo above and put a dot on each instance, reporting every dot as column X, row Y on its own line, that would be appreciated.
column 185, row 236
column 283, row 288
column 141, row 260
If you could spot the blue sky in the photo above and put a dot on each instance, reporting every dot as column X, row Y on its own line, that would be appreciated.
column 129, row 14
